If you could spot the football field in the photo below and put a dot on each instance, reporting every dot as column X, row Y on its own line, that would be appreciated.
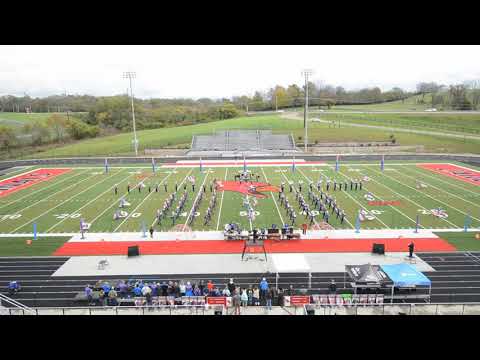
column 442, row 197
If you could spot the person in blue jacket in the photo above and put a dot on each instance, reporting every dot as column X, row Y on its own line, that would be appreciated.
column 13, row 287
column 263, row 289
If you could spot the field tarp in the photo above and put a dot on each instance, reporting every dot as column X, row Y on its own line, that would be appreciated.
column 404, row 275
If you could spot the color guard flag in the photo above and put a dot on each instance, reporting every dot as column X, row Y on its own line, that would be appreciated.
column 336, row 164
column 468, row 222
column 293, row 164
column 106, row 166
column 382, row 163
column 244, row 164
column 153, row 164
column 34, row 231
column 201, row 165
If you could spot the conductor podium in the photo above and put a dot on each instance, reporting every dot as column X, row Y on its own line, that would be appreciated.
column 251, row 246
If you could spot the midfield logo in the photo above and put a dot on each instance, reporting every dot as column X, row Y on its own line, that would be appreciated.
column 247, row 188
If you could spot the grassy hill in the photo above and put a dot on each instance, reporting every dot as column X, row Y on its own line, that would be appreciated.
column 182, row 136
column 409, row 104
column 20, row 119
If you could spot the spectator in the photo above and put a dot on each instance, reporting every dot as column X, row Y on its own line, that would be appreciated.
column 256, row 296
column 216, row 291
column 226, row 292
column 269, row 296
column 304, row 229
column 188, row 289
column 210, row 286
column 137, row 290
column 154, row 289
column 205, row 291
column 102, row 297
column 106, row 287
column 263, row 289
column 112, row 298
column 176, row 289
column 13, row 287
column 332, row 287
column 281, row 297
column 236, row 302
column 183, row 288
column 89, row 294
column 170, row 289
column 123, row 289
column 231, row 286
column 250, row 295
column 146, row 290
column 164, row 287
column 291, row 291
column 197, row 291
column 201, row 286
column 244, row 297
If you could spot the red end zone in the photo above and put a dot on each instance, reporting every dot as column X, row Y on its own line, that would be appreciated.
column 454, row 171
column 23, row 181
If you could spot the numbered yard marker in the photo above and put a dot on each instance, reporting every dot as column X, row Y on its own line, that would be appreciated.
column 11, row 217
column 281, row 170
column 244, row 213
column 377, row 212
column 67, row 216
column 136, row 215
column 354, row 170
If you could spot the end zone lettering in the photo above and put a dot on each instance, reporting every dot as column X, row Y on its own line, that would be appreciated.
column 19, row 182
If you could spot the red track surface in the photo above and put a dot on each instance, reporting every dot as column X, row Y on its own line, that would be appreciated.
column 26, row 180
column 453, row 171
column 236, row 247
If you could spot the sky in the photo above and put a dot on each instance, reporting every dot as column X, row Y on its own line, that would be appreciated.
column 225, row 71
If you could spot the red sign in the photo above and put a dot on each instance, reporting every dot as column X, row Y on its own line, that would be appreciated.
column 299, row 300
column 454, row 171
column 384, row 203
column 217, row 300
column 248, row 188
column 23, row 181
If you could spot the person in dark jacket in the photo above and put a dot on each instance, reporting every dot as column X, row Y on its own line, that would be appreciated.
column 231, row 286
column 411, row 247
column 332, row 287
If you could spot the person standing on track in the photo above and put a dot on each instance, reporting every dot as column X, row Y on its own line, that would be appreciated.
column 411, row 247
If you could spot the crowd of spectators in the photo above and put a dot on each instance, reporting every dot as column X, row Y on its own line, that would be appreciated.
column 109, row 294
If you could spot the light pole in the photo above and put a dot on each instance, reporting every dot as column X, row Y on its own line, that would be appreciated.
column 131, row 75
column 306, row 73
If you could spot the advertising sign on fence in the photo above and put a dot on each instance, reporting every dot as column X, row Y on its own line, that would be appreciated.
column 297, row 300
column 217, row 300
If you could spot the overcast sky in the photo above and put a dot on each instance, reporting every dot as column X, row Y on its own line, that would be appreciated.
column 225, row 71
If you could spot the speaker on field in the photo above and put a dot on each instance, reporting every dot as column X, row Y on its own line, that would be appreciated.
column 133, row 251
column 378, row 249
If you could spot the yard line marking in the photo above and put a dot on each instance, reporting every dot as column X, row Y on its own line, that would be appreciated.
column 221, row 202
column 91, row 201
column 417, row 170
column 55, row 193
column 392, row 207
column 62, row 202
column 198, row 195
column 273, row 197
column 45, row 188
column 447, row 192
column 179, row 186
column 413, row 202
column 141, row 202
column 348, row 222
column 425, row 194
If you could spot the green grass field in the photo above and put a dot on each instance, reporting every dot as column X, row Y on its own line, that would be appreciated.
column 17, row 246
column 463, row 241
column 20, row 119
column 121, row 144
column 409, row 104
column 57, row 205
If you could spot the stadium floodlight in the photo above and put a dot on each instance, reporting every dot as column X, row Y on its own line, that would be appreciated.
column 132, row 75
column 306, row 73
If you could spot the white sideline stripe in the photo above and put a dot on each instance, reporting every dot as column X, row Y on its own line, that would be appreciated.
column 393, row 207
column 403, row 196
column 447, row 192
column 273, row 198
column 140, row 204
column 221, row 203
column 421, row 173
column 198, row 195
column 88, row 203
column 425, row 194
column 348, row 222
column 179, row 186
column 45, row 188
column 61, row 203
column 18, row 171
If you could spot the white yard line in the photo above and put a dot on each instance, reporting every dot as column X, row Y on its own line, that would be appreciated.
column 346, row 192
column 198, row 195
column 392, row 207
column 221, row 202
column 440, row 189
column 273, row 198
column 44, row 188
column 413, row 202
column 63, row 202
column 140, row 204
column 179, row 186
column 425, row 194
column 91, row 201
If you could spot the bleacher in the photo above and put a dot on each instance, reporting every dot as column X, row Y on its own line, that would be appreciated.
column 242, row 140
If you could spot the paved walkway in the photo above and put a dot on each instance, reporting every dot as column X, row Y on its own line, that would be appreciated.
column 396, row 129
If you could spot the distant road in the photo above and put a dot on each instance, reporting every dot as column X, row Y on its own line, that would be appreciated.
column 297, row 116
